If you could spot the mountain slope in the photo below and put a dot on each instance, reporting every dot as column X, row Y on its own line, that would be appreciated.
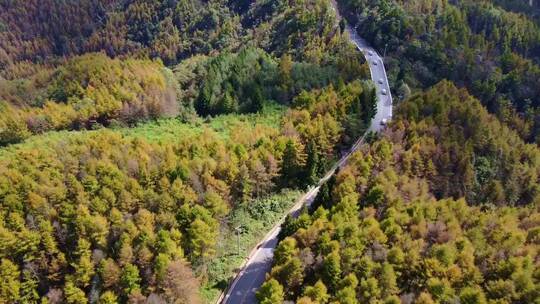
column 388, row 229
column 493, row 52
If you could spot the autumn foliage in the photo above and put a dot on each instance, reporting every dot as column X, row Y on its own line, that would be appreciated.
column 415, row 217
column 89, row 90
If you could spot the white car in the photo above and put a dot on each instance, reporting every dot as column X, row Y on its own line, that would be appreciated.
column 386, row 120
column 381, row 81
column 370, row 53
column 383, row 92
column 374, row 62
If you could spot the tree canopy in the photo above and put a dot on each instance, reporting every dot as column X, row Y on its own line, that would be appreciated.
column 490, row 47
column 415, row 217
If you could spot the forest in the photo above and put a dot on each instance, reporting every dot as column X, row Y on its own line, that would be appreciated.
column 490, row 47
column 39, row 31
column 93, row 90
column 133, row 133
column 88, row 90
column 101, row 214
column 146, row 147
column 55, row 77
column 394, row 226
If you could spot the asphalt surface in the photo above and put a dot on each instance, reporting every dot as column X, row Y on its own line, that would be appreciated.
column 378, row 76
column 253, row 274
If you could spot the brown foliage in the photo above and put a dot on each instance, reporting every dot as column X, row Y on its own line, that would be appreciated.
column 180, row 285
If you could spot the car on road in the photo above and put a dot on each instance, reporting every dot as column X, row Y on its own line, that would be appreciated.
column 374, row 62
column 370, row 53
column 383, row 92
column 381, row 81
column 386, row 120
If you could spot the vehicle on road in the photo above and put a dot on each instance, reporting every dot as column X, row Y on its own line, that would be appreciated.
column 370, row 53
column 386, row 120
column 384, row 92
column 381, row 81
column 374, row 62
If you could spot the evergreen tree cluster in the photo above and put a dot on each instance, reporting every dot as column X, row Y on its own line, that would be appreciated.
column 419, row 216
column 86, row 91
column 490, row 47
column 172, row 30
column 109, row 217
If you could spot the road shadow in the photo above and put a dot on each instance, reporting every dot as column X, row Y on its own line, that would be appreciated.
column 269, row 244
column 252, row 278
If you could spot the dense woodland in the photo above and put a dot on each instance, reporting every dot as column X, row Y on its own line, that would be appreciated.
column 262, row 96
column 39, row 31
column 236, row 58
column 93, row 90
column 88, row 90
column 528, row 7
column 490, row 47
column 109, row 217
column 100, row 216
column 419, row 216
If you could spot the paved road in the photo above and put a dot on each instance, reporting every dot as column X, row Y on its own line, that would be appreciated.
column 253, row 273
column 378, row 75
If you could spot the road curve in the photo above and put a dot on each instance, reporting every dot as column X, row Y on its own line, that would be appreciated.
column 379, row 78
column 259, row 262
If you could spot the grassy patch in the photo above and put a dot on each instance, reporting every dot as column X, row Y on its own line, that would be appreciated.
column 165, row 130
column 255, row 219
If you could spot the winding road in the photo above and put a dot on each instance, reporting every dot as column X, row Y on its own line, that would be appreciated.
column 253, row 273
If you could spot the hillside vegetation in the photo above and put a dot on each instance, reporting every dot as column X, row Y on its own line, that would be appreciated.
column 101, row 215
column 135, row 135
column 420, row 216
column 146, row 147
column 93, row 90
column 38, row 31
column 92, row 63
column 85, row 91
column 480, row 45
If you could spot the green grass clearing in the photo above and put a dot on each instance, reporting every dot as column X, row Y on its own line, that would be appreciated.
column 163, row 130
